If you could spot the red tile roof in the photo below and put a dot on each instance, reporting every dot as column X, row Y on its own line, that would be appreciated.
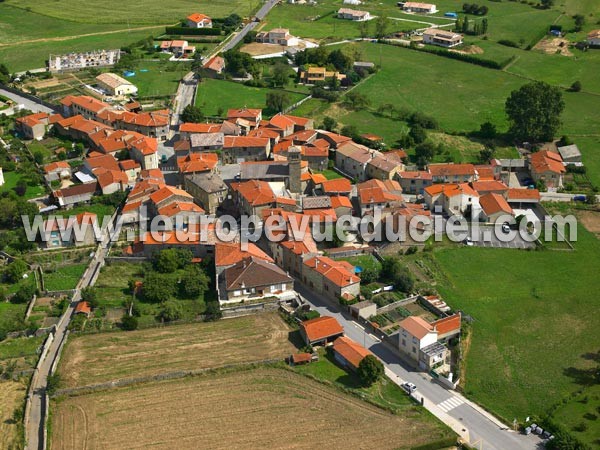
column 83, row 307
column 198, row 18
column 547, row 161
column 197, row 162
column 523, row 194
column 200, row 127
column 440, row 170
column 338, row 185
column 255, row 192
column 416, row 326
column 340, row 273
column 321, row 328
column 493, row 203
column 227, row 254
column 178, row 207
column 59, row 165
column 447, row 324
column 350, row 350
column 244, row 141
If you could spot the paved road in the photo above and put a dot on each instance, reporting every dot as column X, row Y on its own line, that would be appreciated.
column 34, row 433
column 28, row 104
column 560, row 197
column 467, row 419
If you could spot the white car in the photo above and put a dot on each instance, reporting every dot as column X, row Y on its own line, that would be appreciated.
column 468, row 242
column 409, row 387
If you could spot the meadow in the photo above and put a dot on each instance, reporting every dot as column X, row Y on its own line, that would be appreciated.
column 259, row 408
column 214, row 95
column 159, row 78
column 533, row 321
column 12, row 178
column 64, row 278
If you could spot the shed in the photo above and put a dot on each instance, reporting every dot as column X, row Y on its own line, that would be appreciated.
column 321, row 330
column 570, row 153
column 364, row 309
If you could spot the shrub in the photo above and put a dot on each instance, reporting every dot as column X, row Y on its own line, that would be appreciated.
column 370, row 370
column 129, row 323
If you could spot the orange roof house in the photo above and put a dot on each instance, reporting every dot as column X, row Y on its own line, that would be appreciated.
column 197, row 163
column 349, row 353
column 338, row 186
column 494, row 205
column 228, row 254
column 548, row 167
column 321, row 330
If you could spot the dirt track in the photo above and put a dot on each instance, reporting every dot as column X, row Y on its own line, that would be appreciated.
column 261, row 408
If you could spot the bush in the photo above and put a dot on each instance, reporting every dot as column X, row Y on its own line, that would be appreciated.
column 575, row 87
column 186, row 31
column 129, row 323
column 370, row 370
column 508, row 43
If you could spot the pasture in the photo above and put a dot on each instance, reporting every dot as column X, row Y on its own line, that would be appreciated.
column 533, row 321
column 217, row 96
column 259, row 408
column 104, row 357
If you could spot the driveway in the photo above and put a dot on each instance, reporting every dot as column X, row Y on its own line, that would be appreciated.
column 467, row 419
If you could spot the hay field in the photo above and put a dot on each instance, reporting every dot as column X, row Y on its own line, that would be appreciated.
column 259, row 408
column 104, row 357
column 12, row 396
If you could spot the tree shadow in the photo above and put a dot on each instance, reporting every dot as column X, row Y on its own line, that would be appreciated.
column 588, row 376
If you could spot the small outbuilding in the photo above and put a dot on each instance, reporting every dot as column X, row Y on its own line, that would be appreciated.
column 321, row 330
column 349, row 353
column 570, row 154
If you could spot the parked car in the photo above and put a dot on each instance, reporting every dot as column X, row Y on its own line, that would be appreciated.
column 409, row 387
column 579, row 198
column 163, row 159
column 468, row 242
column 505, row 228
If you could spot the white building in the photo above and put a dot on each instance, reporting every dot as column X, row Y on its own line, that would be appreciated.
column 352, row 14
column 198, row 20
column 116, row 85
column 417, row 7
column 442, row 38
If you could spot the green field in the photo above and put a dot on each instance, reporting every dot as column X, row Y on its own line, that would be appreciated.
column 64, row 278
column 112, row 284
column 10, row 181
column 533, row 321
column 580, row 414
column 123, row 12
column 215, row 94
column 161, row 79
column 20, row 347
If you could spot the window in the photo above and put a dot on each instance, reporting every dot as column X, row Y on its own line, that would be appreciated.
column 404, row 342
column 273, row 288
column 237, row 293
column 414, row 349
column 415, row 340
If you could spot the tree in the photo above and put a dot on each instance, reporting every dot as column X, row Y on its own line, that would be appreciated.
column 547, row 3
column 363, row 28
column 465, row 25
column 340, row 60
column 52, row 383
column 21, row 187
column 280, row 75
column 484, row 26
column 576, row 86
column 579, row 21
column 129, row 323
column 192, row 114
column 171, row 310
column 356, row 100
column 425, row 150
column 158, row 287
column 278, row 101
column 329, row 123
column 24, row 293
column 487, row 130
column 126, row 62
column 418, row 134
column 381, row 26
column 393, row 270
column 486, row 155
column 213, row 311
column 370, row 370
column 194, row 282
column 4, row 74
column 15, row 271
column 534, row 111
column 350, row 131
column 90, row 294
column 197, row 64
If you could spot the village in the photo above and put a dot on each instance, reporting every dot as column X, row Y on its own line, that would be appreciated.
column 155, row 212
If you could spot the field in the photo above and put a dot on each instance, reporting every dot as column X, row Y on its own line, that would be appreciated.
column 112, row 285
column 215, row 94
column 533, row 321
column 64, row 278
column 260, row 408
column 12, row 397
column 580, row 415
column 149, row 12
column 104, row 357
column 161, row 79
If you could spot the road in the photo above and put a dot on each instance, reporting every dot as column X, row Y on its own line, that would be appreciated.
column 28, row 104
column 34, row 432
column 468, row 420
column 560, row 197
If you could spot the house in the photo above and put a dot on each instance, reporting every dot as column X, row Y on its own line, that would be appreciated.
column 377, row 194
column 197, row 163
column 452, row 173
column 228, row 254
column 115, row 85
column 238, row 149
column 167, row 195
column 72, row 231
column 83, row 60
column 187, row 129
column 215, row 65
column 593, row 38
column 414, row 182
column 523, row 198
column 83, row 105
column 197, row 20
column 418, row 340
column 253, row 196
column 60, row 170
column 489, row 186
column 177, row 47
column 144, row 150
column 348, row 353
column 208, row 190
column 73, row 195
column 442, row 38
column 341, row 205
column 314, row 75
column 111, row 181
column 384, row 166
column 352, row 14
column 321, row 330
column 279, row 36
column 493, row 207
column 153, row 124
column 253, row 278
column 35, row 126
column 83, row 307
column 547, row 166
column 570, row 154
column 253, row 116
column 333, row 279
column 206, row 142
column 417, row 7
column 453, row 199
column 336, row 187
column 132, row 169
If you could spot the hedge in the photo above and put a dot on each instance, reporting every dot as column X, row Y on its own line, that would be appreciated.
column 216, row 31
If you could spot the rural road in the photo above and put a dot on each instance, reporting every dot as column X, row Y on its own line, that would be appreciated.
column 470, row 421
column 28, row 104
column 560, row 197
column 35, row 435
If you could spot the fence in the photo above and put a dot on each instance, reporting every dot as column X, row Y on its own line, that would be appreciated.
column 392, row 306
column 30, row 306
column 295, row 105
column 237, row 311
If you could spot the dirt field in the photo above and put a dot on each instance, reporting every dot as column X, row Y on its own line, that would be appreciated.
column 554, row 46
column 257, row 48
column 104, row 357
column 12, row 394
column 590, row 220
column 261, row 408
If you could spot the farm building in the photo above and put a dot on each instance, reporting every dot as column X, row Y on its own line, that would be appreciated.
column 115, row 85
column 593, row 38
column 418, row 7
column 321, row 330
column 349, row 353
column 353, row 14
column 570, row 154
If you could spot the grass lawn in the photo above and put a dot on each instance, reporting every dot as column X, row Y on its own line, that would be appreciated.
column 330, row 174
column 20, row 347
column 532, row 321
column 11, row 317
column 590, row 149
column 148, row 12
column 364, row 262
column 64, row 278
column 161, row 78
column 215, row 94
column 10, row 181
column 99, row 209
column 580, row 415
column 113, row 283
